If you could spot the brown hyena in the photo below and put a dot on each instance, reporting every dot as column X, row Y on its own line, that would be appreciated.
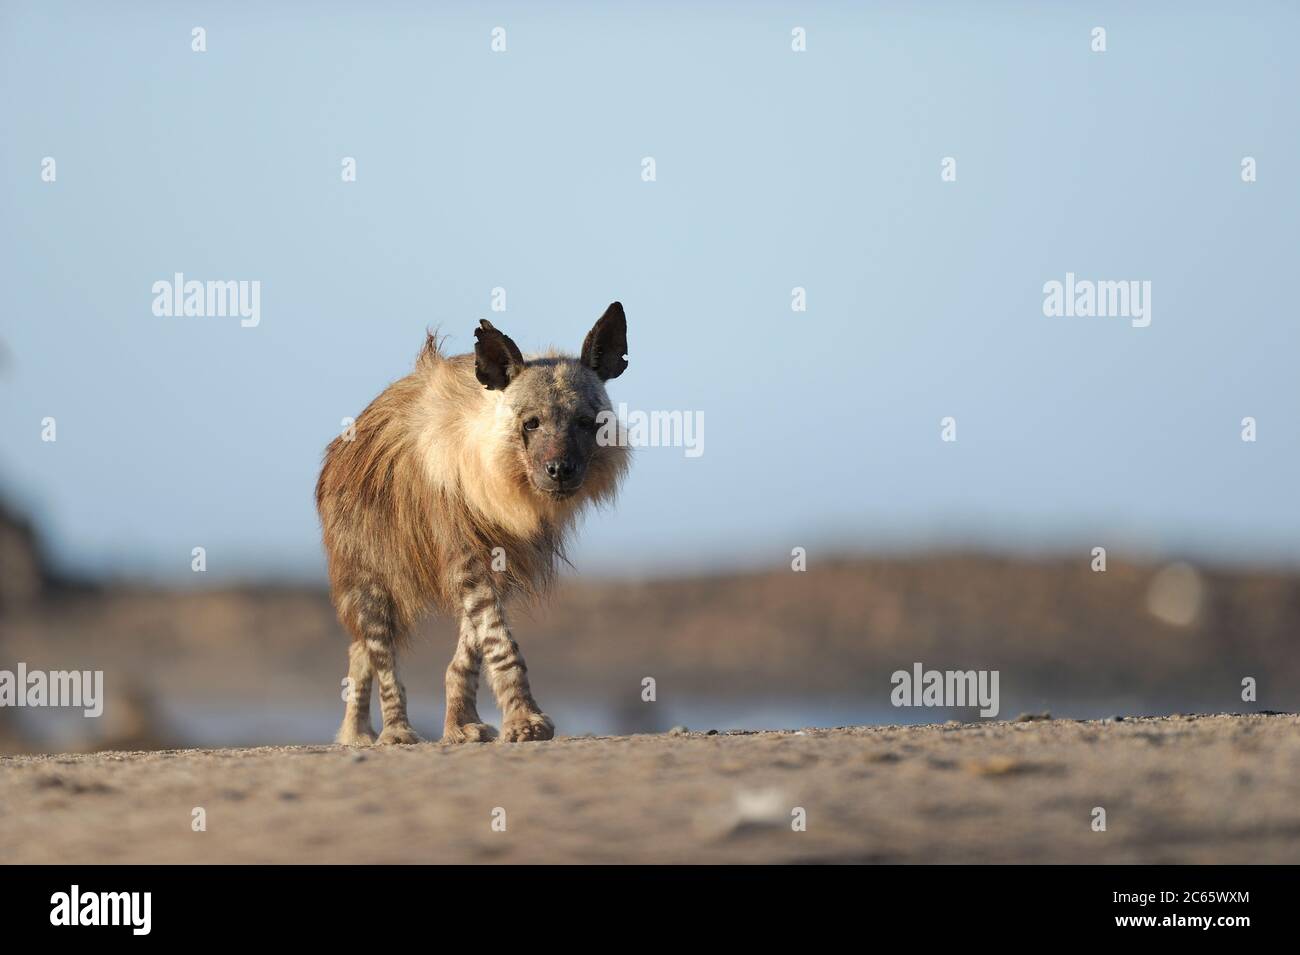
column 454, row 490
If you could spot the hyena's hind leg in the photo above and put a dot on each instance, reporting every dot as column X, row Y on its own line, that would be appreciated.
column 463, row 724
column 377, row 628
column 356, row 729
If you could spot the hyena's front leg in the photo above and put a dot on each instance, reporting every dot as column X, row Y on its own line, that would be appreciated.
column 376, row 624
column 356, row 730
column 463, row 724
column 521, row 718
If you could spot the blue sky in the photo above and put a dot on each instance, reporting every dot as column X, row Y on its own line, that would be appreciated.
column 775, row 169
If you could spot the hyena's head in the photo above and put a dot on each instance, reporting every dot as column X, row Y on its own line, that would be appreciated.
column 560, row 433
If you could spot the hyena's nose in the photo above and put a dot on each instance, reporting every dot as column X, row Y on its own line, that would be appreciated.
column 559, row 469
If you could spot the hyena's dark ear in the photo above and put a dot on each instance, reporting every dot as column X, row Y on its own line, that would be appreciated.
column 497, row 360
column 604, row 349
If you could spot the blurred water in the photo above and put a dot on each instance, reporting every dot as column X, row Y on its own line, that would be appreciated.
column 226, row 725
column 221, row 724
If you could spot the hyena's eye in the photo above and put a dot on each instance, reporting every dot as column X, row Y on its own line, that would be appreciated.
column 532, row 424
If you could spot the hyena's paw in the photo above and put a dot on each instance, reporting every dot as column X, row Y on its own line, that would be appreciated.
column 525, row 728
column 398, row 733
column 469, row 733
column 355, row 736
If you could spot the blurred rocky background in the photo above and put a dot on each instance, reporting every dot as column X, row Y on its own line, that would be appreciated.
column 246, row 665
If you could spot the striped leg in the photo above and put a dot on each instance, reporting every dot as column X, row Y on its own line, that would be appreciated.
column 392, row 695
column 375, row 621
column 356, row 730
column 521, row 718
column 463, row 724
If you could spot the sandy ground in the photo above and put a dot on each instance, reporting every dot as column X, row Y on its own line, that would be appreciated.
column 1178, row 789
